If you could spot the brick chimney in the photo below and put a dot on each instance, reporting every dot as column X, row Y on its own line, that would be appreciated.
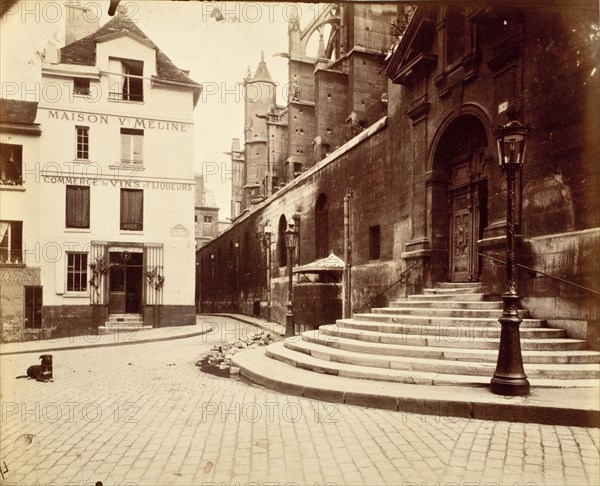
column 80, row 21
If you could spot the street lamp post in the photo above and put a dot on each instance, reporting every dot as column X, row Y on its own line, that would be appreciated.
column 509, row 377
column 268, row 231
column 236, row 249
column 290, row 244
column 212, row 282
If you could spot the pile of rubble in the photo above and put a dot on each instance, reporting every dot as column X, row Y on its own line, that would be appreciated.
column 218, row 360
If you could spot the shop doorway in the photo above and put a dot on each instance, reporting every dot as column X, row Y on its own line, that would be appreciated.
column 125, row 282
column 33, row 307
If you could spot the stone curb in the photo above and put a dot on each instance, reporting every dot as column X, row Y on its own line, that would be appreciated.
column 106, row 345
column 304, row 383
column 265, row 326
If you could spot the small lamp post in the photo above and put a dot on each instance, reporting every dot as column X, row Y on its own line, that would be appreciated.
column 509, row 377
column 236, row 247
column 235, row 298
column 290, row 244
column 213, row 283
column 268, row 231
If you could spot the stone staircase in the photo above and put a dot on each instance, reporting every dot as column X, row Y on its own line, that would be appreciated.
column 122, row 323
column 449, row 335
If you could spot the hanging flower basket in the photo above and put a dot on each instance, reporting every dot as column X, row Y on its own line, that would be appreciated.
column 155, row 279
column 99, row 267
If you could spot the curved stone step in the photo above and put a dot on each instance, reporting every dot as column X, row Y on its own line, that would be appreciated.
column 448, row 304
column 453, row 285
column 468, row 328
column 122, row 328
column 449, row 297
column 389, row 337
column 348, row 339
column 454, row 367
column 445, row 312
column 393, row 318
column 453, row 290
column 301, row 360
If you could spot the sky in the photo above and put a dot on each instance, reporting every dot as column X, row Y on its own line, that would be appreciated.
column 217, row 54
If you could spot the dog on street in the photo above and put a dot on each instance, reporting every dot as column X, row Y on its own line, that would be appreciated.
column 41, row 372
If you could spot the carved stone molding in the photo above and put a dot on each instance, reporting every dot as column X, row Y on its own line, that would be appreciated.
column 419, row 109
column 421, row 65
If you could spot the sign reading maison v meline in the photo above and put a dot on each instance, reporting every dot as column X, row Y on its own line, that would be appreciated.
column 124, row 121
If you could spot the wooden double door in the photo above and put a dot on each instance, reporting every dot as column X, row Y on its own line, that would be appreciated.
column 125, row 282
column 467, row 201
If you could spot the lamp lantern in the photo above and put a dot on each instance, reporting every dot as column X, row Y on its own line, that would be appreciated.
column 512, row 141
column 290, row 237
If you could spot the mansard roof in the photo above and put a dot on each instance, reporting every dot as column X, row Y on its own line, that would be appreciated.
column 15, row 111
column 19, row 117
column 83, row 51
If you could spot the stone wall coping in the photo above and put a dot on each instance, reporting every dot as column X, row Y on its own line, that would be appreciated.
column 590, row 231
column 501, row 240
column 410, row 255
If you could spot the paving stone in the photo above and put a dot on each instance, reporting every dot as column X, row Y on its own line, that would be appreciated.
column 512, row 479
column 461, row 452
column 458, row 461
column 537, row 460
column 494, row 463
column 477, row 456
column 475, row 466
column 492, row 454
column 434, row 463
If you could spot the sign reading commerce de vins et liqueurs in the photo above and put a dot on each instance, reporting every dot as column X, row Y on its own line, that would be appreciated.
column 126, row 182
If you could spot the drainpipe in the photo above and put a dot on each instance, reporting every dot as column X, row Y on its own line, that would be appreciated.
column 212, row 281
column 267, row 232
column 347, row 302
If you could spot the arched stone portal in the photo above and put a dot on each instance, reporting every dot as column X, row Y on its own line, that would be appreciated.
column 459, row 200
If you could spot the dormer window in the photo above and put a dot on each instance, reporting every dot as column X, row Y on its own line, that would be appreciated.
column 126, row 80
column 81, row 87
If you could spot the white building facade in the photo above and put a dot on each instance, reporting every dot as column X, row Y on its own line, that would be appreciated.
column 116, row 184
column 20, row 285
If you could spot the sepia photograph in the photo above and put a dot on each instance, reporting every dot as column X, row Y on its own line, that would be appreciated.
column 299, row 244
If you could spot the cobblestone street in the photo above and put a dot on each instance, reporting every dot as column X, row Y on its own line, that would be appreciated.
column 145, row 414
